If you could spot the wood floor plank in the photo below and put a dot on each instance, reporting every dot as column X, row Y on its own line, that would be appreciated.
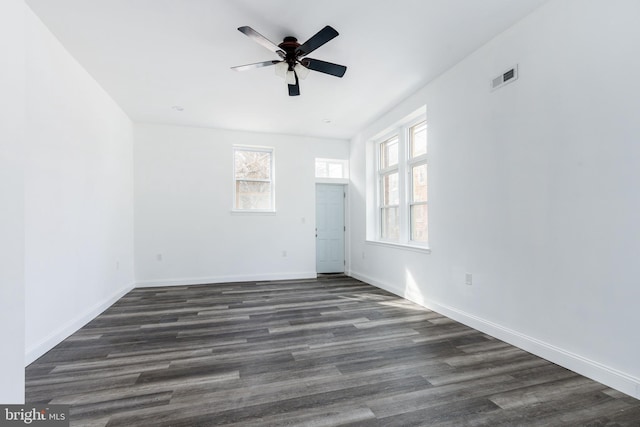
column 315, row 352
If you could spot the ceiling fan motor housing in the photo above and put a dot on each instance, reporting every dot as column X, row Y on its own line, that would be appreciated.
column 289, row 46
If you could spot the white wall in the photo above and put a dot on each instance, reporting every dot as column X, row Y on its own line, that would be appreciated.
column 533, row 190
column 183, row 196
column 78, row 194
column 12, row 127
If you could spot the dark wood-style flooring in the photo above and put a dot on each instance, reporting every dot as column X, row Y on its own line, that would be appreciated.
column 326, row 352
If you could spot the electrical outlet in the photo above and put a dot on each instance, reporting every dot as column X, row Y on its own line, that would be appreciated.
column 468, row 279
column 159, row 257
column 117, row 265
column 284, row 254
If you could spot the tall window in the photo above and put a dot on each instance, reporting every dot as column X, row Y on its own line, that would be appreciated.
column 402, row 185
column 253, row 179
column 418, row 187
column 389, row 190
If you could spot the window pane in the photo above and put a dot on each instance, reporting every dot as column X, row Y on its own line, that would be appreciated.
column 390, row 227
column 253, row 164
column 321, row 169
column 390, row 193
column 419, row 223
column 335, row 170
column 419, row 183
column 418, row 139
column 389, row 153
column 253, row 195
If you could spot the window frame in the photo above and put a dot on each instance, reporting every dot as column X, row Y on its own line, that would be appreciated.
column 404, row 169
column 413, row 162
column 271, row 180
column 382, row 173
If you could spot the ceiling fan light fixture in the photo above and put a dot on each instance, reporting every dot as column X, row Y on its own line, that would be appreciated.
column 291, row 78
column 301, row 71
column 281, row 69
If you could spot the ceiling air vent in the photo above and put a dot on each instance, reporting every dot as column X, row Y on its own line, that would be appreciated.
column 507, row 77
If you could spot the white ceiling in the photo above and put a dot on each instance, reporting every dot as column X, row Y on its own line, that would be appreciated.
column 151, row 55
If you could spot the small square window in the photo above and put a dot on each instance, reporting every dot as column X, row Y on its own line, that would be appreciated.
column 253, row 177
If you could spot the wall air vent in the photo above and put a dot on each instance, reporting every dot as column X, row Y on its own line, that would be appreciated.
column 508, row 76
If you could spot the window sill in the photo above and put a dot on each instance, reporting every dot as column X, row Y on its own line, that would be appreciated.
column 402, row 246
column 252, row 213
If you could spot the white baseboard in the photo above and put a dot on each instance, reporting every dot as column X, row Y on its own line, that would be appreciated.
column 604, row 374
column 56, row 337
column 224, row 279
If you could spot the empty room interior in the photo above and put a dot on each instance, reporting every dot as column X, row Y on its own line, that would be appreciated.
column 371, row 213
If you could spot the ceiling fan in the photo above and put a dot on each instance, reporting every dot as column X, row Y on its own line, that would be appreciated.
column 293, row 62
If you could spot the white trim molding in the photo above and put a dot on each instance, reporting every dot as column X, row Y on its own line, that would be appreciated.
column 60, row 334
column 185, row 281
column 589, row 368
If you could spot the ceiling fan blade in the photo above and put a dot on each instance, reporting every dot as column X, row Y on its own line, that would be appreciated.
column 324, row 67
column 320, row 38
column 294, row 90
column 253, row 66
column 260, row 39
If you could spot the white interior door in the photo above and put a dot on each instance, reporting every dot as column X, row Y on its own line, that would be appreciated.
column 330, row 228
